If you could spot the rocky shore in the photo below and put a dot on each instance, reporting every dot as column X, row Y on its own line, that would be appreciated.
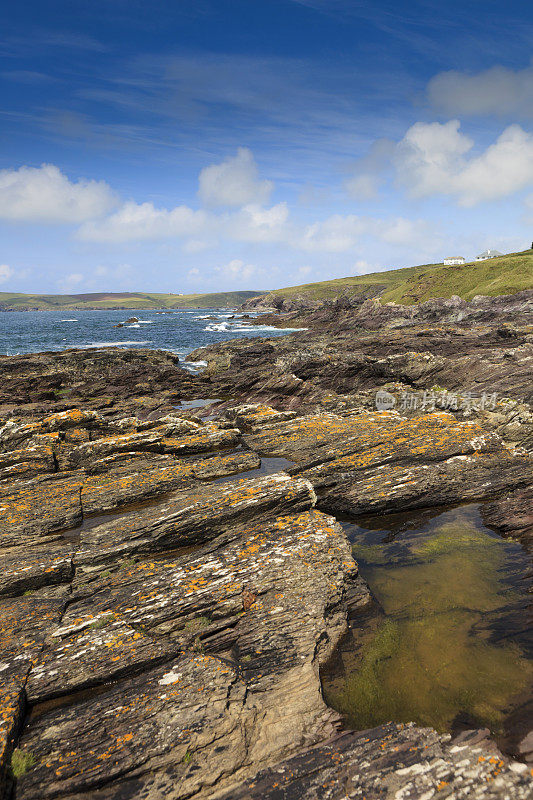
column 174, row 580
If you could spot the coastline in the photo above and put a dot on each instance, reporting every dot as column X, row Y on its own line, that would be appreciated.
column 184, row 570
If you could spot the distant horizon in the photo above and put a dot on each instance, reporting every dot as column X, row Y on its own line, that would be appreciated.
column 204, row 146
column 229, row 291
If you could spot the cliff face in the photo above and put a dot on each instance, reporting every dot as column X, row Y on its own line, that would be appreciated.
column 286, row 301
column 348, row 312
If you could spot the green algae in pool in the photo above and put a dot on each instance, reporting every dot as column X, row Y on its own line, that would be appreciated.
column 447, row 645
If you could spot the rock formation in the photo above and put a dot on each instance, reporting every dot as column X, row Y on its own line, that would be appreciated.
column 167, row 602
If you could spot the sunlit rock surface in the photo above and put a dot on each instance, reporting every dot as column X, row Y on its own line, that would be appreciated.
column 166, row 605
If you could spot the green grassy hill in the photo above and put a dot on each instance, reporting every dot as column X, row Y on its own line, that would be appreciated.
column 128, row 300
column 505, row 275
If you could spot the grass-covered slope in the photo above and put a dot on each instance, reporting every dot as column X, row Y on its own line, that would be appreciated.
column 23, row 302
column 505, row 275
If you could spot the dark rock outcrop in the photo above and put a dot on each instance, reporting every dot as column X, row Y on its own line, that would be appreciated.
column 163, row 625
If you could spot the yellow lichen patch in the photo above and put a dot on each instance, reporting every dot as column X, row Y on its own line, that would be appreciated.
column 45, row 505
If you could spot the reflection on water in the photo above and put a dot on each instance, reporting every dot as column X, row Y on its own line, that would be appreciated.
column 268, row 467
column 447, row 640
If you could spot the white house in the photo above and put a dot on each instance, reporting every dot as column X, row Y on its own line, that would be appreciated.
column 454, row 260
column 488, row 254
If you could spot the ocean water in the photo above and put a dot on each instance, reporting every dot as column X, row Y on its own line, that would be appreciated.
column 177, row 331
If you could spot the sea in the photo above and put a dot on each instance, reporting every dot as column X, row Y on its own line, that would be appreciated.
column 179, row 331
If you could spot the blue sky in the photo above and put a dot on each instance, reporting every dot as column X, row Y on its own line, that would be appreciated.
column 205, row 145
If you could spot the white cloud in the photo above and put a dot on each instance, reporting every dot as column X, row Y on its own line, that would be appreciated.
column 504, row 168
column 333, row 235
column 134, row 221
column 195, row 246
column 429, row 156
column 256, row 224
column 237, row 270
column 496, row 91
column 404, row 232
column 339, row 234
column 432, row 159
column 363, row 187
column 438, row 159
column 234, row 183
column 5, row 273
column 70, row 282
column 45, row 194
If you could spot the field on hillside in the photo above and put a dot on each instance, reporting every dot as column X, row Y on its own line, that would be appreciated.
column 505, row 275
column 128, row 300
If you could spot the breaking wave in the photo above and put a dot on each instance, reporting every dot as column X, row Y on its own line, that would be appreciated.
column 112, row 344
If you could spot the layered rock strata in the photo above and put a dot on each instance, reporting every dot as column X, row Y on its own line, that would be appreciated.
column 166, row 605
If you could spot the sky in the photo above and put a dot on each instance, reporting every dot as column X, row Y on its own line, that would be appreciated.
column 210, row 145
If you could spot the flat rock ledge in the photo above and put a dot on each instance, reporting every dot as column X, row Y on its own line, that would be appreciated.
column 163, row 624
column 403, row 762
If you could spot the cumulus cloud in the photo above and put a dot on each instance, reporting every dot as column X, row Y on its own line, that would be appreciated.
column 47, row 194
column 234, row 183
column 429, row 156
column 44, row 194
column 432, row 159
column 438, row 159
column 141, row 221
column 5, row 273
column 237, row 270
column 497, row 91
column 340, row 234
column 254, row 223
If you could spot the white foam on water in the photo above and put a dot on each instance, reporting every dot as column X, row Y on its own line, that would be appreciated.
column 111, row 344
column 69, row 320
column 193, row 366
column 266, row 328
column 135, row 325
column 216, row 314
column 218, row 327
column 226, row 327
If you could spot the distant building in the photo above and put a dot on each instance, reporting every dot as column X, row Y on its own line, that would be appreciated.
column 486, row 254
column 454, row 260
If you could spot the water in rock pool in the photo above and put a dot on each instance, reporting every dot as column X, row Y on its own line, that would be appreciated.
column 445, row 645
column 179, row 331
